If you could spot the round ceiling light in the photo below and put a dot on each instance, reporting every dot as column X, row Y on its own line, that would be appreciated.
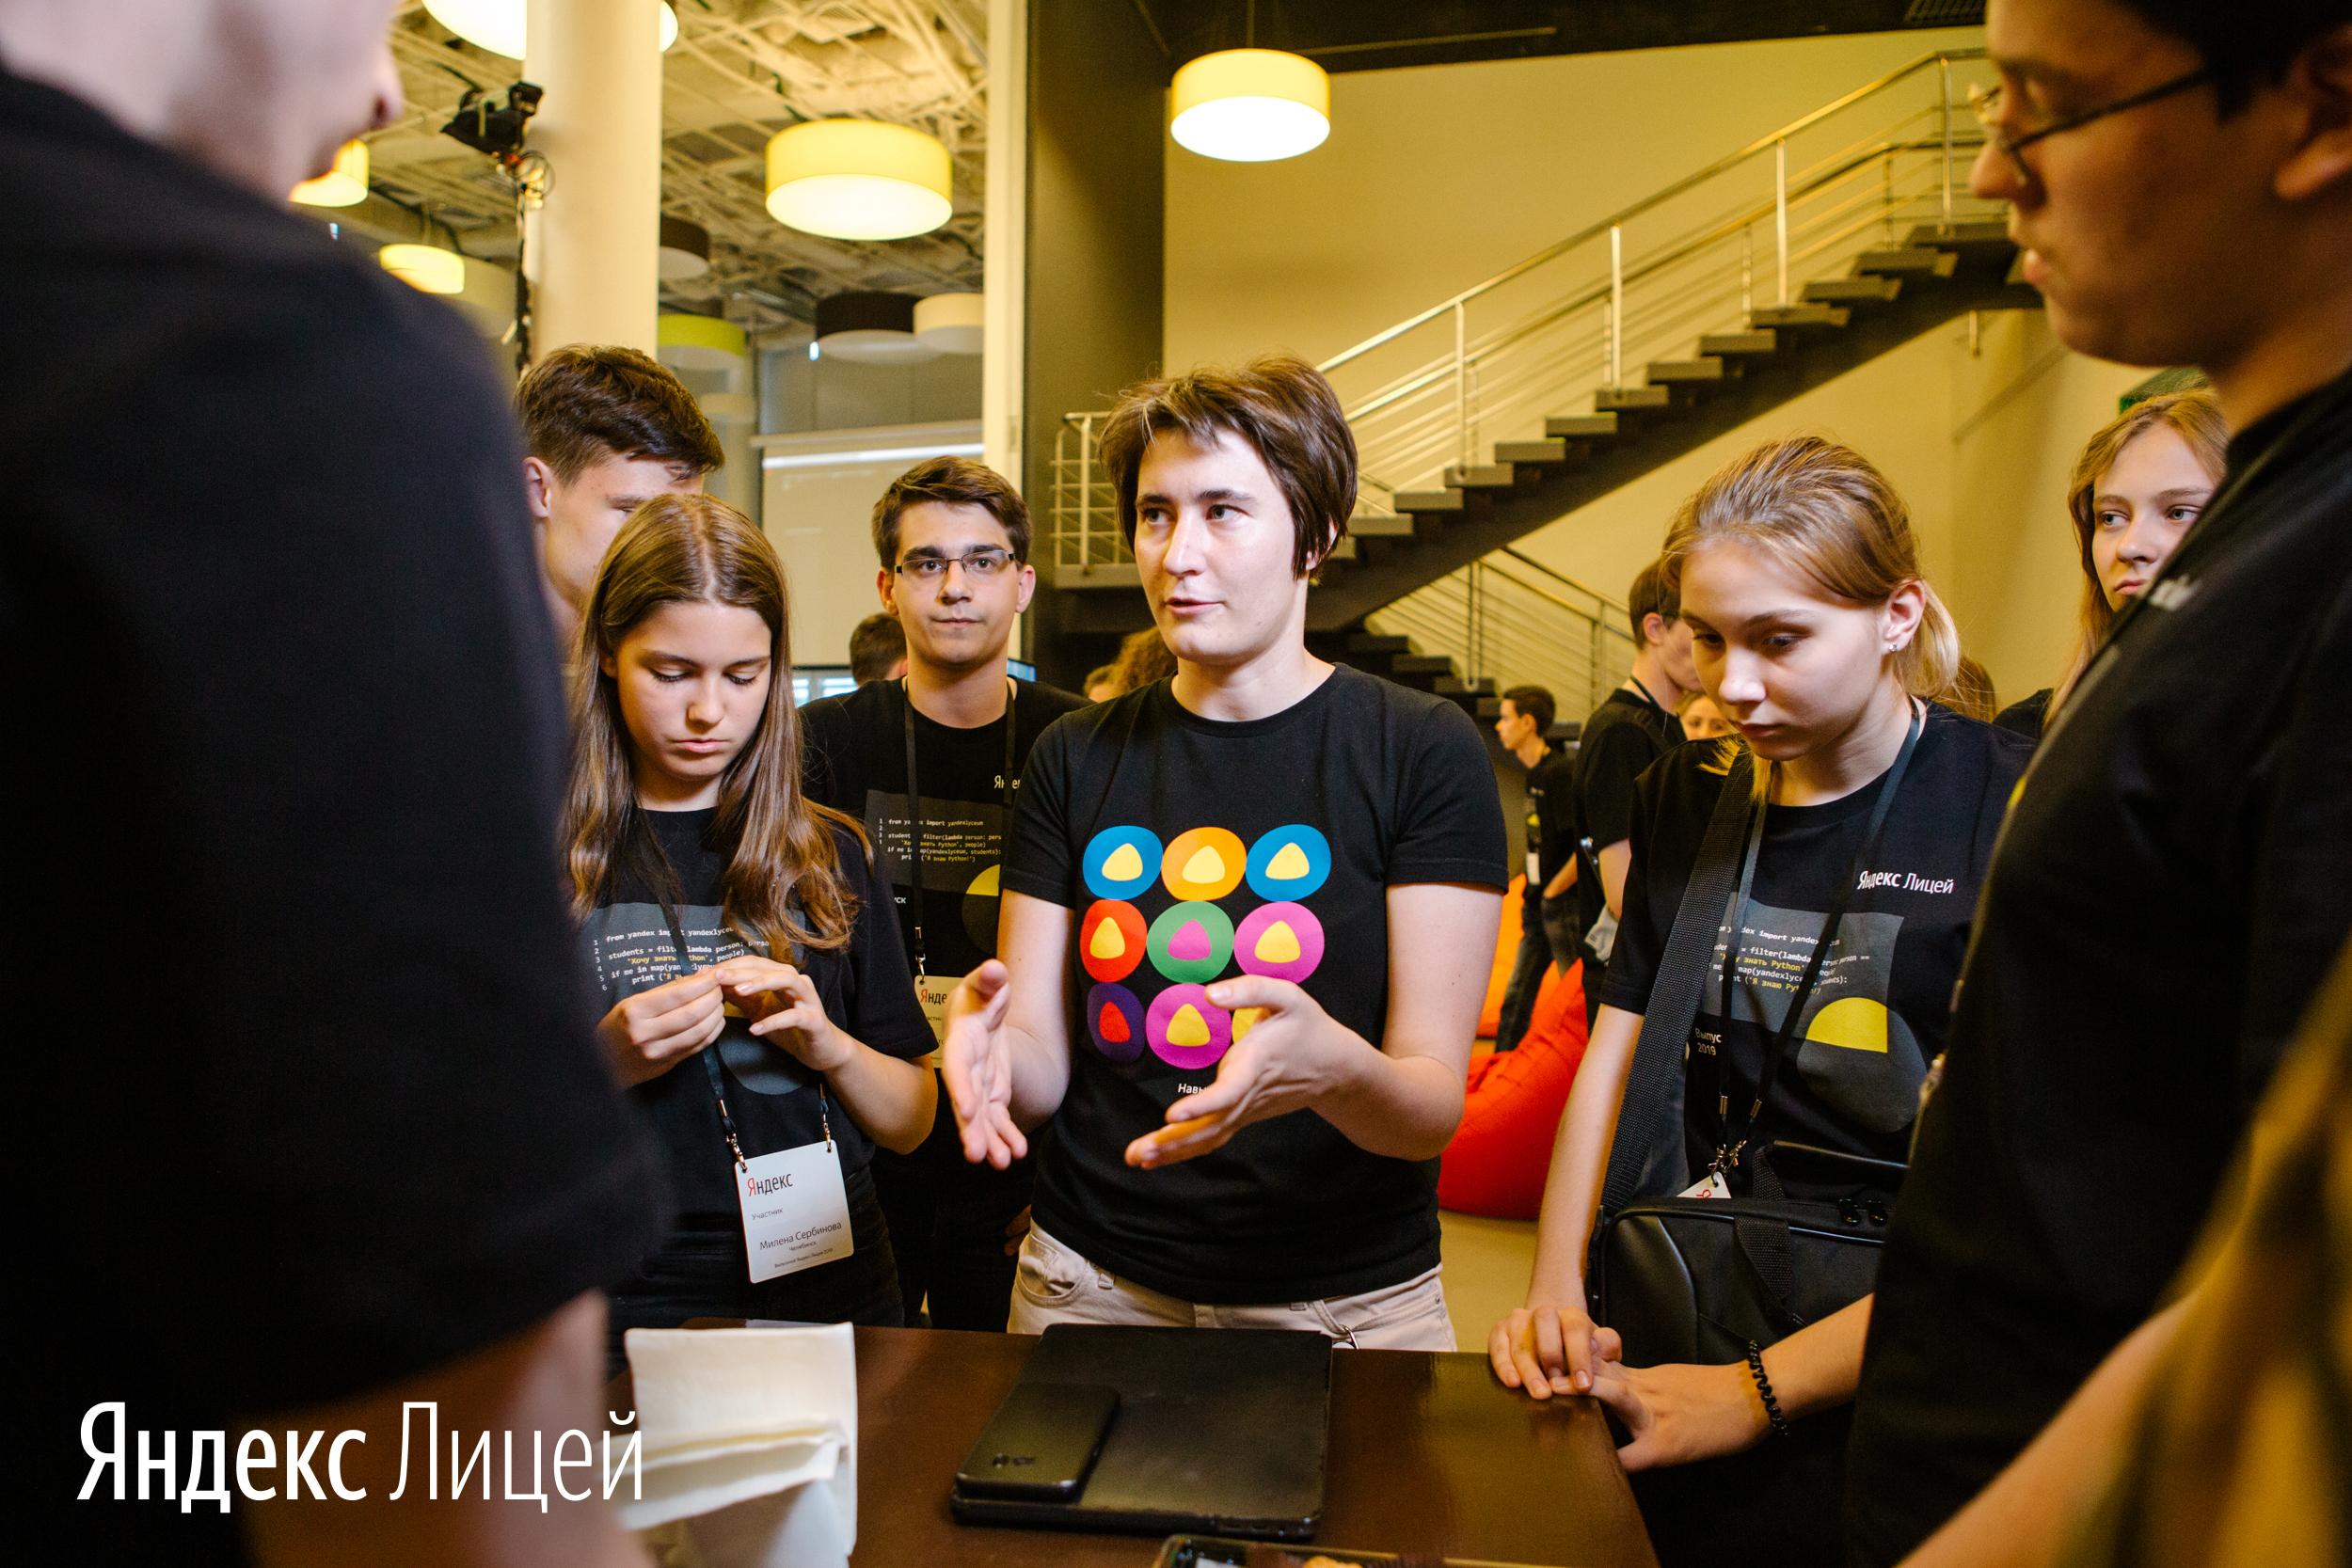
column 699, row 342
column 685, row 249
column 497, row 25
column 858, row 180
column 950, row 323
column 1250, row 106
column 427, row 267
column 872, row 328
column 343, row 184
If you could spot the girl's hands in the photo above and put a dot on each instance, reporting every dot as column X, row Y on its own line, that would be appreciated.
column 785, row 1010
column 650, row 1033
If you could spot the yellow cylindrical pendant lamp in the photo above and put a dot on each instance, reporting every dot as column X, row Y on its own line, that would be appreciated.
column 859, row 179
column 427, row 267
column 1250, row 106
column 344, row 183
column 498, row 26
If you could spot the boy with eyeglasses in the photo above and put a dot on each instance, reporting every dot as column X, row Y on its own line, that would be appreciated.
column 953, row 539
column 2180, row 176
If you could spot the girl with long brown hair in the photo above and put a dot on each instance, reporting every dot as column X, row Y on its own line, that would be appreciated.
column 2141, row 480
column 1869, row 811
column 757, row 1002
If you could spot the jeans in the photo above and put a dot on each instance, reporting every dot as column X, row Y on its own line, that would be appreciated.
column 703, row 1273
column 1055, row 1284
column 949, row 1219
column 1527, row 978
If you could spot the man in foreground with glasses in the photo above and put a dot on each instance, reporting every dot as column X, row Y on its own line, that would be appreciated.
column 953, row 536
column 2180, row 176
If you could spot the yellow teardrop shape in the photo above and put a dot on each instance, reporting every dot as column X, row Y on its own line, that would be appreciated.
column 1245, row 1021
column 1278, row 944
column 1107, row 942
column 1188, row 1027
column 1206, row 866
column 1289, row 863
column 1124, row 865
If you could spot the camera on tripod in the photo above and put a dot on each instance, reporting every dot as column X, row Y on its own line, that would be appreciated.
column 493, row 125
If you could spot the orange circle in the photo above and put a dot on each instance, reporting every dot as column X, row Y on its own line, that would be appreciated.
column 1203, row 864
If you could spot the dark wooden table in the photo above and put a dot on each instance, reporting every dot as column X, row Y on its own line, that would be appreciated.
column 1428, row 1454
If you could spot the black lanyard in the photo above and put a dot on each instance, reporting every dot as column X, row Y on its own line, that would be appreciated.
column 1735, row 1138
column 709, row 1056
column 914, row 812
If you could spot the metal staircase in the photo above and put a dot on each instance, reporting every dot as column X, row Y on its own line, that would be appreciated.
column 1506, row 407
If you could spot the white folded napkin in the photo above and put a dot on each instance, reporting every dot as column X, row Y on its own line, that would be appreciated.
column 750, row 1434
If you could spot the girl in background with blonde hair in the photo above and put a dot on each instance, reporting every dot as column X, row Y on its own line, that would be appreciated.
column 1872, row 818
column 757, row 1004
column 2138, row 485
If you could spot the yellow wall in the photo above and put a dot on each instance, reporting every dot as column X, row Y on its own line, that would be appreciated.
column 1439, row 177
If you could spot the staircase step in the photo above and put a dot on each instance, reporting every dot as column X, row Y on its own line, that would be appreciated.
column 1723, row 345
column 1783, row 317
column 1853, row 290
column 1590, row 427
column 1489, row 707
column 1907, row 261
column 1114, row 574
column 1980, row 231
column 1481, row 476
column 1343, row 550
column 1612, row 400
column 1429, row 500
column 1380, row 524
column 1483, row 687
column 1377, row 643
column 1423, row 664
column 1548, row 451
column 1676, row 373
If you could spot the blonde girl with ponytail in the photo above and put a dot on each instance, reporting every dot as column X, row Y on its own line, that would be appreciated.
column 1872, row 818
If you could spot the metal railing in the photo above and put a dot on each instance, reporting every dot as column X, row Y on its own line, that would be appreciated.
column 1428, row 393
column 1510, row 619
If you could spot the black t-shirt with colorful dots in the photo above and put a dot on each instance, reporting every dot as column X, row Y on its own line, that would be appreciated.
column 1192, row 851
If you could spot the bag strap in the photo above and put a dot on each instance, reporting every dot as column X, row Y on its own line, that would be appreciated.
column 1645, row 1158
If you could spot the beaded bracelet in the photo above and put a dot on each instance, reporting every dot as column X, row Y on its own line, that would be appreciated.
column 1764, row 1391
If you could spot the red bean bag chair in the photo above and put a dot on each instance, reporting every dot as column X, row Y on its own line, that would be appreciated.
column 1506, row 954
column 1499, row 1157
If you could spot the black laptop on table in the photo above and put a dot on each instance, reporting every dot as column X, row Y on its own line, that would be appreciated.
column 1221, row 1429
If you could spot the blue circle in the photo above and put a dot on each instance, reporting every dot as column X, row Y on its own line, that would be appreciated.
column 1309, row 843
column 1103, row 845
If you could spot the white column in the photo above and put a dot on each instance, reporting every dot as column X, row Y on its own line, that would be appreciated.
column 1004, row 267
column 592, row 247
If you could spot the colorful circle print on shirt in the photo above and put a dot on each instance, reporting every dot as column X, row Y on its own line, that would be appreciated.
column 1120, row 862
column 1111, row 939
column 1188, row 1030
column 1191, row 941
column 1289, row 862
column 1115, row 1019
column 1282, row 941
column 1203, row 864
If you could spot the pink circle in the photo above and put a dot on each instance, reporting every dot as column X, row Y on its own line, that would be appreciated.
column 1163, row 1015
column 1305, row 936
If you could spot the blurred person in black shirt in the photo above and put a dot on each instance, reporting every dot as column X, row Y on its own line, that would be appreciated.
column 1522, row 726
column 341, row 1138
column 2170, row 885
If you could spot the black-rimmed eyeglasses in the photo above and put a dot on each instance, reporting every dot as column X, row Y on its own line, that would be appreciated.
column 982, row 565
column 1989, row 102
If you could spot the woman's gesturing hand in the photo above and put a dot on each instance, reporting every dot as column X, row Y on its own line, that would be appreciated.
column 785, row 1010
column 1551, row 1349
column 650, row 1033
column 1675, row 1414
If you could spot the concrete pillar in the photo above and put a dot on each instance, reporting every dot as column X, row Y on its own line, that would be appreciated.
column 591, row 251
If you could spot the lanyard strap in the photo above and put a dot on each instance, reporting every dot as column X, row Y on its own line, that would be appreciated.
column 709, row 1054
column 915, row 811
column 1735, row 1139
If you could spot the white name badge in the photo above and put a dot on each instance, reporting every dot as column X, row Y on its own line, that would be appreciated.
column 1534, row 870
column 932, row 991
column 796, row 1213
column 1714, row 1186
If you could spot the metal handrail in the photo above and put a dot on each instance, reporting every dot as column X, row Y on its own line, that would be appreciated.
column 1940, row 59
column 1532, row 563
column 1443, row 366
